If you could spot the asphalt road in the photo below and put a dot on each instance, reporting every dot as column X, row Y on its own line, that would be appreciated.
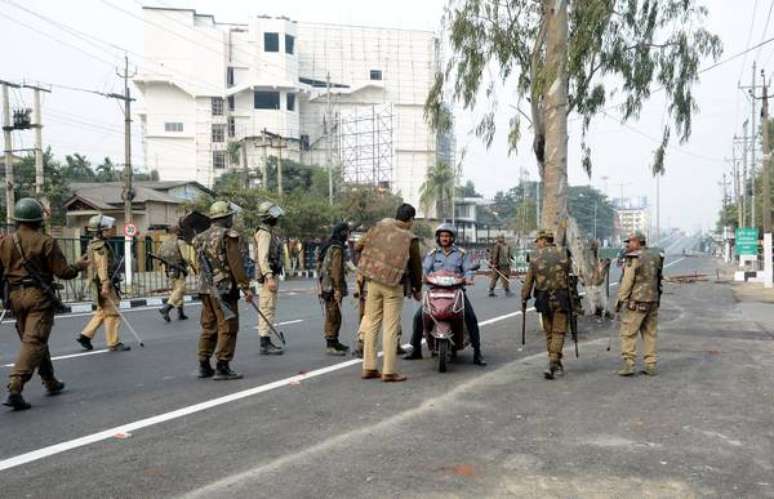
column 140, row 424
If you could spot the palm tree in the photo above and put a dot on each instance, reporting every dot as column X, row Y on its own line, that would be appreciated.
column 438, row 189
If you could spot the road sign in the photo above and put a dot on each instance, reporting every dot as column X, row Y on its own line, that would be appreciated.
column 130, row 230
column 747, row 241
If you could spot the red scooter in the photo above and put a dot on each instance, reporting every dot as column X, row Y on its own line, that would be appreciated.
column 443, row 313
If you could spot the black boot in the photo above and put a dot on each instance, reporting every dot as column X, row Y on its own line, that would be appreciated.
column 508, row 292
column 17, row 402
column 53, row 387
column 269, row 348
column 119, row 347
column 550, row 370
column 180, row 315
column 416, row 353
column 224, row 372
column 85, row 342
column 205, row 369
column 333, row 347
column 478, row 359
column 164, row 311
column 358, row 351
column 491, row 293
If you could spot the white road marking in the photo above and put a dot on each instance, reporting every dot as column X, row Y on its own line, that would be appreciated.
column 59, row 448
column 71, row 356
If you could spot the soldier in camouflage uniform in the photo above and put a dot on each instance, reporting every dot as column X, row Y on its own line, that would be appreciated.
column 176, row 252
column 500, row 262
column 549, row 268
column 221, row 276
column 331, row 268
column 640, row 296
column 268, row 267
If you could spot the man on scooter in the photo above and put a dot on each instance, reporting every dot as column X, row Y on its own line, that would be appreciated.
column 448, row 257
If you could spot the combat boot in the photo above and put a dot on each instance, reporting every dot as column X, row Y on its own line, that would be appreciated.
column 358, row 351
column 491, row 293
column 223, row 372
column 400, row 350
column 335, row 348
column 85, row 342
column 559, row 368
column 120, row 347
column 205, row 369
column 626, row 370
column 550, row 370
column 508, row 292
column 17, row 402
column 416, row 354
column 269, row 348
column 180, row 314
column 650, row 369
column 164, row 311
column 478, row 359
column 53, row 387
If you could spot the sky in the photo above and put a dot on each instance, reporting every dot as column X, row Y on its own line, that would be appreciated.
column 82, row 45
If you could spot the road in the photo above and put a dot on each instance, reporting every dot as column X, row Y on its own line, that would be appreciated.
column 305, row 425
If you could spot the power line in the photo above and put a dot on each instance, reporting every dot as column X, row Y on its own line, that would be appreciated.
column 749, row 37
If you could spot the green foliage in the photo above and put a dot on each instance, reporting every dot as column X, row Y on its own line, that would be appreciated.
column 437, row 190
column 516, row 207
column 363, row 206
column 468, row 190
column 592, row 211
column 107, row 172
column 55, row 184
column 78, row 169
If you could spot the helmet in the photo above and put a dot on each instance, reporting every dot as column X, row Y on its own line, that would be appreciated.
column 446, row 227
column 28, row 210
column 267, row 210
column 220, row 209
column 548, row 235
column 635, row 235
column 101, row 222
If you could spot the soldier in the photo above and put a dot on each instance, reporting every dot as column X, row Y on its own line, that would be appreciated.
column 640, row 293
column 176, row 255
column 221, row 277
column 268, row 266
column 548, row 274
column 333, row 285
column 103, row 272
column 500, row 262
column 30, row 259
column 391, row 265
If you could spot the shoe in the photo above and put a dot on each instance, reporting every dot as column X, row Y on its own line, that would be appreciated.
column 180, row 315
column 400, row 350
column 17, row 402
column 120, row 347
column 164, row 311
column 559, row 368
column 370, row 374
column 550, row 370
column 491, row 293
column 626, row 370
column 478, row 359
column 416, row 354
column 85, row 342
column 650, row 370
column 54, row 387
column 223, row 372
column 269, row 348
column 508, row 292
column 335, row 348
column 393, row 378
column 205, row 369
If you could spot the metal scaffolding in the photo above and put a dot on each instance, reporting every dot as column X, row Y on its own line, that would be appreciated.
column 366, row 145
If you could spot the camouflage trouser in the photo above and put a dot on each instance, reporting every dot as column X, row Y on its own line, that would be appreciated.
column 506, row 273
column 645, row 323
column 555, row 328
column 332, row 319
column 34, row 319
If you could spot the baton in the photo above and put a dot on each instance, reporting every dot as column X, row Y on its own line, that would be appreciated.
column 2, row 317
column 279, row 334
column 128, row 325
column 501, row 274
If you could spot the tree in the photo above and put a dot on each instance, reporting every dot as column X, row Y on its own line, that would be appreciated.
column 592, row 211
column 437, row 190
column 566, row 60
column 55, row 186
column 468, row 190
column 364, row 206
column 106, row 172
column 78, row 168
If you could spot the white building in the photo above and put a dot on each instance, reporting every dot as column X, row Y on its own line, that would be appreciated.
column 321, row 94
column 633, row 220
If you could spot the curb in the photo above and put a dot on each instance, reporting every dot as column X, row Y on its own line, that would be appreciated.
column 79, row 308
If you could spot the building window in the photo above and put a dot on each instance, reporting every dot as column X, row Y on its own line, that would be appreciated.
column 231, row 127
column 271, row 42
column 231, row 105
column 218, row 133
column 290, row 44
column 217, row 106
column 266, row 100
column 219, row 159
column 173, row 127
column 291, row 102
column 376, row 74
column 230, row 76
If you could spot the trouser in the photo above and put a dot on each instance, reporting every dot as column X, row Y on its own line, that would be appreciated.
column 383, row 306
column 471, row 322
column 506, row 272
column 644, row 323
column 218, row 334
column 597, row 298
column 332, row 319
column 178, row 291
column 34, row 320
column 555, row 328
column 267, row 304
column 107, row 313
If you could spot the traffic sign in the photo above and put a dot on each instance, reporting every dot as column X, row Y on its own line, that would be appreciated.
column 747, row 241
column 130, row 230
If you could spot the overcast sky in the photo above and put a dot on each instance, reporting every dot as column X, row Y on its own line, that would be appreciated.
column 35, row 49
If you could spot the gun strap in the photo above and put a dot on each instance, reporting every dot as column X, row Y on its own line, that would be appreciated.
column 32, row 271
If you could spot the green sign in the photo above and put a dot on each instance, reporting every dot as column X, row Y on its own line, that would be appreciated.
column 747, row 241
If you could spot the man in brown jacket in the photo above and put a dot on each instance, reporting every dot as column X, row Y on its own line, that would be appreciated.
column 500, row 263
column 333, row 286
column 391, row 265
column 30, row 259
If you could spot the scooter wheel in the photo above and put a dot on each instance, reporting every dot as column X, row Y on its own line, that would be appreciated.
column 443, row 355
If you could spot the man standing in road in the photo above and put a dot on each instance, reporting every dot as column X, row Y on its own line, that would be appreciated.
column 268, row 267
column 391, row 265
column 221, row 277
column 176, row 254
column 640, row 294
column 500, row 263
column 104, row 270
column 548, row 274
column 30, row 259
column 333, row 285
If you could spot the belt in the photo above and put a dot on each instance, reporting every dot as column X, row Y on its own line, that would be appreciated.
column 23, row 285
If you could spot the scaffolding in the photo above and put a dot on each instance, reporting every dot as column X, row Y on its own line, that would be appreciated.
column 366, row 145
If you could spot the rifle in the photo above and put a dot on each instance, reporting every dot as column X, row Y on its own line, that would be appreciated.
column 572, row 320
column 48, row 288
column 205, row 267
column 523, row 322
column 172, row 266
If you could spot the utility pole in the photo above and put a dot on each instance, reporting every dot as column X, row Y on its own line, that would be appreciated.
column 752, row 152
column 658, row 207
column 328, row 128
column 765, row 166
column 7, row 129
column 744, row 174
column 39, row 175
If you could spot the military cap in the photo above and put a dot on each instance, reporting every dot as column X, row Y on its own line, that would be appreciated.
column 545, row 234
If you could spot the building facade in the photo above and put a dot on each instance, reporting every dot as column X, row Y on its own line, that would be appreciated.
column 221, row 96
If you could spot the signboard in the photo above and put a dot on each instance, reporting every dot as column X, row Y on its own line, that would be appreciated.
column 130, row 230
column 747, row 241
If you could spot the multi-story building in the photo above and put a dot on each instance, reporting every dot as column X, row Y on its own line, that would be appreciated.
column 633, row 219
column 221, row 96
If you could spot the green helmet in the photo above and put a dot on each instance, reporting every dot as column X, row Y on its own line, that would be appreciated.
column 220, row 209
column 28, row 210
column 267, row 210
column 101, row 222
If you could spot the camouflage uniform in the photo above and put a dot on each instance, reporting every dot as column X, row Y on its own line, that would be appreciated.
column 549, row 268
column 500, row 259
column 640, row 294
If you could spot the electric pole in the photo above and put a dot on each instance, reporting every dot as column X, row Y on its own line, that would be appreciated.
column 744, row 174
column 7, row 129
column 752, row 152
column 39, row 174
column 766, row 193
column 328, row 128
